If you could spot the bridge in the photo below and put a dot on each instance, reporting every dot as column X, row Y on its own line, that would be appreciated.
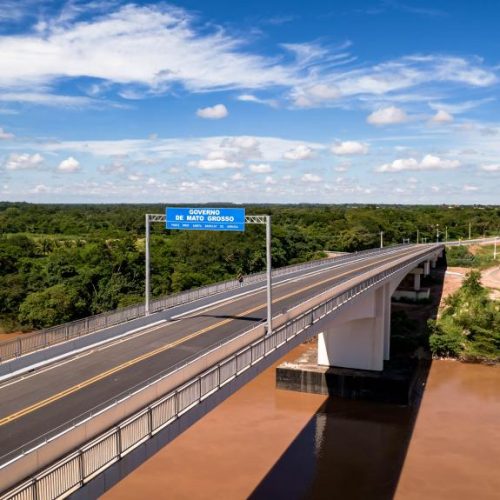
column 83, row 404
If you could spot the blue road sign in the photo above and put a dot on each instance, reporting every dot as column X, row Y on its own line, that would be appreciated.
column 206, row 219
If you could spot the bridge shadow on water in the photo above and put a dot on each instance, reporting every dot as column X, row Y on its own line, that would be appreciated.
column 353, row 449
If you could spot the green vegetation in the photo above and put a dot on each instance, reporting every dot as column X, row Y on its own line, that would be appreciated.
column 482, row 257
column 469, row 326
column 63, row 262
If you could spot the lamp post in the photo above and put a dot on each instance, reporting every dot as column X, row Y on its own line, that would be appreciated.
column 381, row 239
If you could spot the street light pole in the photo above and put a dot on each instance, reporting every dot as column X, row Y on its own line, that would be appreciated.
column 446, row 235
column 269, row 276
column 495, row 249
column 470, row 230
column 381, row 239
column 418, row 236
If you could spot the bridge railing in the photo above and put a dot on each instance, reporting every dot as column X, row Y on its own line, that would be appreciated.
column 70, row 473
column 41, row 339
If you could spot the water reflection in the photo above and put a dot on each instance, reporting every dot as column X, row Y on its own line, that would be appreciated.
column 348, row 450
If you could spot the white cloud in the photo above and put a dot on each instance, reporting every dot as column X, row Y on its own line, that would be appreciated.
column 342, row 167
column 469, row 187
column 261, row 168
column 23, row 161
column 154, row 46
column 253, row 98
column 5, row 135
column 428, row 162
column 300, row 152
column 270, row 181
column 243, row 147
column 41, row 188
column 311, row 178
column 148, row 49
column 314, row 95
column 69, row 165
column 491, row 167
column 214, row 112
column 442, row 116
column 350, row 148
column 387, row 116
column 238, row 176
column 215, row 160
column 47, row 99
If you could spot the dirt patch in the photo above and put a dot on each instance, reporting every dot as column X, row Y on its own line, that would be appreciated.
column 454, row 277
column 9, row 336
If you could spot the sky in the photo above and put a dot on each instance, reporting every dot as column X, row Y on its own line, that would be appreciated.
column 341, row 101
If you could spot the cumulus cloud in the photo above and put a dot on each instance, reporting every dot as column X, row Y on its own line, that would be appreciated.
column 491, row 167
column 213, row 112
column 308, row 177
column 69, row 165
column 387, row 116
column 428, row 162
column 350, row 148
column 215, row 160
column 23, row 161
column 469, row 187
column 261, row 168
column 5, row 135
column 442, row 116
column 300, row 152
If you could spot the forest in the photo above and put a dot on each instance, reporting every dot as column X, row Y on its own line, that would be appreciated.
column 469, row 326
column 63, row 262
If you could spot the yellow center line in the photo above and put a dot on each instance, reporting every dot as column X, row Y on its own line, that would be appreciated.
column 142, row 357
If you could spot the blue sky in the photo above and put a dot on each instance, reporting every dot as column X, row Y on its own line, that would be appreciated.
column 382, row 101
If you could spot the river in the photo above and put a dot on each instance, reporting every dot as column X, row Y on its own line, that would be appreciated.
column 265, row 443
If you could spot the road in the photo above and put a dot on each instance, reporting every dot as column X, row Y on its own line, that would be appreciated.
column 52, row 396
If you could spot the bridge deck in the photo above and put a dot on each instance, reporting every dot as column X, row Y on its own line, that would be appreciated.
column 53, row 396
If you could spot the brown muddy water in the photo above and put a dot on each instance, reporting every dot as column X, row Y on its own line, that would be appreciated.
column 266, row 443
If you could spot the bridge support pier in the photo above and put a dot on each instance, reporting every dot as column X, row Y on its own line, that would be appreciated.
column 359, row 337
column 427, row 268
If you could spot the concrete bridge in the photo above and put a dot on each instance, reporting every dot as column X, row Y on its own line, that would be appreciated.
column 80, row 412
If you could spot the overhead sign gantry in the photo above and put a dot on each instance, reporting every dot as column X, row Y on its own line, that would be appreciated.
column 210, row 219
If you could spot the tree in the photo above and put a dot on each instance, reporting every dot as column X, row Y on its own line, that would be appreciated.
column 54, row 305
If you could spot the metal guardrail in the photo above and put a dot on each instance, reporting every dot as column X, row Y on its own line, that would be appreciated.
column 489, row 239
column 73, row 471
column 41, row 339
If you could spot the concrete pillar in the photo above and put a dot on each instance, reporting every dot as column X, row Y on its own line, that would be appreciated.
column 427, row 268
column 387, row 322
column 433, row 263
column 416, row 282
column 359, row 337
